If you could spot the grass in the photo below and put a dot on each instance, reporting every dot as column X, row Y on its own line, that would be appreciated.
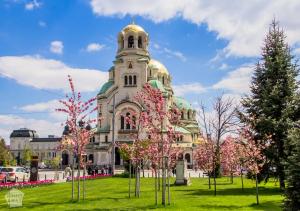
column 112, row 194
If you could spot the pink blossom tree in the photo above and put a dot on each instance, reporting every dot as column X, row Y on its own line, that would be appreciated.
column 254, row 159
column 230, row 157
column 78, row 128
column 204, row 157
column 155, row 123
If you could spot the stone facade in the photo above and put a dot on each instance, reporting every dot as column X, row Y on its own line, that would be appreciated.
column 133, row 67
column 45, row 148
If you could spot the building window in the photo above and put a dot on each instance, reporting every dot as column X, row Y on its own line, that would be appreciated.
column 130, row 65
column 140, row 44
column 122, row 122
column 163, row 80
column 133, row 122
column 106, row 138
column 100, row 110
column 130, row 42
column 187, row 157
column 127, row 123
column 130, row 80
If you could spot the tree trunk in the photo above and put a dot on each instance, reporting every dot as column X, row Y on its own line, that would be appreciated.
column 242, row 179
column 156, row 183
column 215, row 184
column 129, row 182
column 73, row 171
column 256, row 182
column 158, row 178
column 78, row 182
column 168, row 174
column 83, row 184
column 163, row 195
column 136, row 181
column 231, row 178
column 209, row 186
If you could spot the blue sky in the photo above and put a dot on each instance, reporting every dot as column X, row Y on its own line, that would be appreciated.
column 209, row 47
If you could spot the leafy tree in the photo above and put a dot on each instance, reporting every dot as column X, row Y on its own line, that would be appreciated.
column 26, row 156
column 6, row 158
column 269, row 109
column 292, row 192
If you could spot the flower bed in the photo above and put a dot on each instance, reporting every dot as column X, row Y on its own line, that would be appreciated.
column 90, row 177
column 10, row 185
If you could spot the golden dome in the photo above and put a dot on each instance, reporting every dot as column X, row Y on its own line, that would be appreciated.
column 133, row 28
column 161, row 69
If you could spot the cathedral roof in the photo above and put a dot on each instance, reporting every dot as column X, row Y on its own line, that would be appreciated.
column 154, row 64
column 181, row 103
column 157, row 85
column 105, row 87
column 133, row 28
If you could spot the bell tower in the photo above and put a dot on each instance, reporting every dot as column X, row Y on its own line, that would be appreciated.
column 133, row 40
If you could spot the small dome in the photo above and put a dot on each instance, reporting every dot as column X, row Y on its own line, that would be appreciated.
column 159, row 67
column 181, row 103
column 157, row 85
column 105, row 87
column 133, row 28
column 24, row 132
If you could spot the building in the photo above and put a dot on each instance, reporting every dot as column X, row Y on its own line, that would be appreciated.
column 132, row 68
column 23, row 138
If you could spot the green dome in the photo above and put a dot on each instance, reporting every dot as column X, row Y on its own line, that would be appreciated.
column 105, row 87
column 111, row 69
column 181, row 103
column 157, row 85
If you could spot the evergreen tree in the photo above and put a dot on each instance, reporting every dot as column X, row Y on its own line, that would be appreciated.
column 269, row 109
column 292, row 169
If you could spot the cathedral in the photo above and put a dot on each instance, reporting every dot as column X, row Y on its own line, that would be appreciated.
column 132, row 68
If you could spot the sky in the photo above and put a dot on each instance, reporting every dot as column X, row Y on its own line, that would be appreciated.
column 209, row 48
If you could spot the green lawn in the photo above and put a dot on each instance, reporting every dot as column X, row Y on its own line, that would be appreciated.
column 111, row 194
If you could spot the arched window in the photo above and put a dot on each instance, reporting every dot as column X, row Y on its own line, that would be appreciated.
column 182, row 115
column 127, row 123
column 189, row 114
column 130, row 80
column 134, row 80
column 133, row 122
column 187, row 157
column 130, row 42
column 150, row 73
column 163, row 79
column 140, row 44
column 125, row 80
column 122, row 122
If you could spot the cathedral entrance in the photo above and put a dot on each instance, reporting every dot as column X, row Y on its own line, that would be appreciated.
column 117, row 156
column 65, row 158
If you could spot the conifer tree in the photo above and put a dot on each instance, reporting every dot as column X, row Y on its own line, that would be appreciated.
column 269, row 109
column 292, row 170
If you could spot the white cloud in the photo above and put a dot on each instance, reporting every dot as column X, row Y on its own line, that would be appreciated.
column 34, row 4
column 237, row 81
column 56, row 47
column 243, row 23
column 177, row 54
column 223, row 66
column 192, row 88
column 49, row 74
column 39, row 107
column 8, row 123
column 92, row 47
column 169, row 52
column 296, row 51
column 42, row 24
